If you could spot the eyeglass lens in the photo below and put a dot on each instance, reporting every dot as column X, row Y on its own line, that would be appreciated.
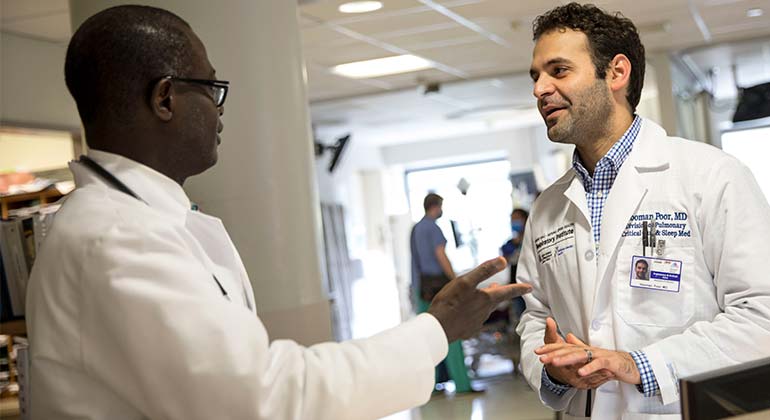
column 219, row 95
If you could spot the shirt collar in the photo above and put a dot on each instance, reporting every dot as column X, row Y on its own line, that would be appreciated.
column 614, row 157
column 157, row 190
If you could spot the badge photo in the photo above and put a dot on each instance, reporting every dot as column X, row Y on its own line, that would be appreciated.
column 655, row 273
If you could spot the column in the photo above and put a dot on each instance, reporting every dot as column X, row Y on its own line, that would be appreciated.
column 264, row 186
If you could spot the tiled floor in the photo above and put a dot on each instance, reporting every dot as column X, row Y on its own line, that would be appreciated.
column 508, row 398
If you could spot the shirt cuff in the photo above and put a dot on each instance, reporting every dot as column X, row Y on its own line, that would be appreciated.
column 552, row 386
column 649, row 386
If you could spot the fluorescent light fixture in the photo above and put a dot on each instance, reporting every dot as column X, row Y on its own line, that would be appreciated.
column 382, row 66
column 360, row 6
column 754, row 12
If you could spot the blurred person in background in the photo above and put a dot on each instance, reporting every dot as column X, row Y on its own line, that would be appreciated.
column 512, row 249
column 431, row 271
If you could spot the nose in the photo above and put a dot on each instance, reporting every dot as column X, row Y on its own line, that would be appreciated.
column 221, row 110
column 542, row 87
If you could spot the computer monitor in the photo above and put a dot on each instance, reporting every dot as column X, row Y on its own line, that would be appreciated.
column 727, row 392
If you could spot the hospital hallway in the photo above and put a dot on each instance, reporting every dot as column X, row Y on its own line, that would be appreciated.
column 506, row 398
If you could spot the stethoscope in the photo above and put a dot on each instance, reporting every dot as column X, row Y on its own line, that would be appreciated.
column 120, row 186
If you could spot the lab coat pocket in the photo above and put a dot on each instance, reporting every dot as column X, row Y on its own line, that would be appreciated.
column 646, row 306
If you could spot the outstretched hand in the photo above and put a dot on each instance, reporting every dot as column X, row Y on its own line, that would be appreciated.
column 461, row 307
column 568, row 373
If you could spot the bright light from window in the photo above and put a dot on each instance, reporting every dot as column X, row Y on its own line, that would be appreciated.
column 754, row 12
column 752, row 147
column 382, row 66
column 360, row 6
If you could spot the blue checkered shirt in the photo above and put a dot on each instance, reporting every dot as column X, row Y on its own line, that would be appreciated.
column 597, row 188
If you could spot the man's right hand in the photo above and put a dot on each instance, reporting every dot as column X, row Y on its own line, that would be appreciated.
column 461, row 308
column 569, row 374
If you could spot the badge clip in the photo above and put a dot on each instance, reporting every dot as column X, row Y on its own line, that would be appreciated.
column 661, row 247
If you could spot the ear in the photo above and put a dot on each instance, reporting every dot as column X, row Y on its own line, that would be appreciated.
column 619, row 73
column 163, row 100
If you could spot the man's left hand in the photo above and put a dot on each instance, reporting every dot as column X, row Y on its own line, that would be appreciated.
column 574, row 351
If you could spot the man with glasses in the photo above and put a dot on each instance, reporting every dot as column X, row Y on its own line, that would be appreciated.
column 139, row 307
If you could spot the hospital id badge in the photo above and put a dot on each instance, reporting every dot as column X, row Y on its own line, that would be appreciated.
column 656, row 273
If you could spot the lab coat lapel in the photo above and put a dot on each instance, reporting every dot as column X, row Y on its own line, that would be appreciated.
column 584, row 243
column 627, row 193
column 219, row 254
column 624, row 198
column 576, row 193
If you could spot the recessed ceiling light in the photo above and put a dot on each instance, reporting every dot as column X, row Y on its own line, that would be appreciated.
column 754, row 12
column 360, row 6
column 382, row 66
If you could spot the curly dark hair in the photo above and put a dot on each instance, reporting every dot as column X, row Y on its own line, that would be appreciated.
column 608, row 35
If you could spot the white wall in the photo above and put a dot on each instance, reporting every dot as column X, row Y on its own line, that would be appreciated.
column 526, row 148
column 344, row 185
column 32, row 79
column 515, row 144
column 721, row 118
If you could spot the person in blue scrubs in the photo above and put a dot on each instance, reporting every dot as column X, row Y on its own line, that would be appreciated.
column 431, row 269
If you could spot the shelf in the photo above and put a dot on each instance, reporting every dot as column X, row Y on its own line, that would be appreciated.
column 16, row 327
column 45, row 196
column 9, row 406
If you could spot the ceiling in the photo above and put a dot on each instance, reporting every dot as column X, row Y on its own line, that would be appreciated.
column 480, row 50
column 469, row 39
column 465, row 39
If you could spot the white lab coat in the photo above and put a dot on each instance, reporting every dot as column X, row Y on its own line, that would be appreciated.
column 126, row 322
column 720, row 316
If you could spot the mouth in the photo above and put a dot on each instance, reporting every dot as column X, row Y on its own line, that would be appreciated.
column 220, row 127
column 552, row 111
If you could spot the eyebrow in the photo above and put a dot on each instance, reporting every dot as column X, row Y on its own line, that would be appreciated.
column 549, row 63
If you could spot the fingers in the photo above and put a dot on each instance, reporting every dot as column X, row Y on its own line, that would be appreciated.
column 566, row 357
column 572, row 339
column 484, row 271
column 552, row 351
column 551, row 332
column 548, row 348
column 594, row 366
column 570, row 376
column 509, row 291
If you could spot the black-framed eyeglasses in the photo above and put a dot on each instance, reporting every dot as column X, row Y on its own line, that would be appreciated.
column 218, row 87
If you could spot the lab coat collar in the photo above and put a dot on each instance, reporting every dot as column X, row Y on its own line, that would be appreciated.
column 575, row 192
column 649, row 152
column 648, row 155
column 645, row 155
column 157, row 190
